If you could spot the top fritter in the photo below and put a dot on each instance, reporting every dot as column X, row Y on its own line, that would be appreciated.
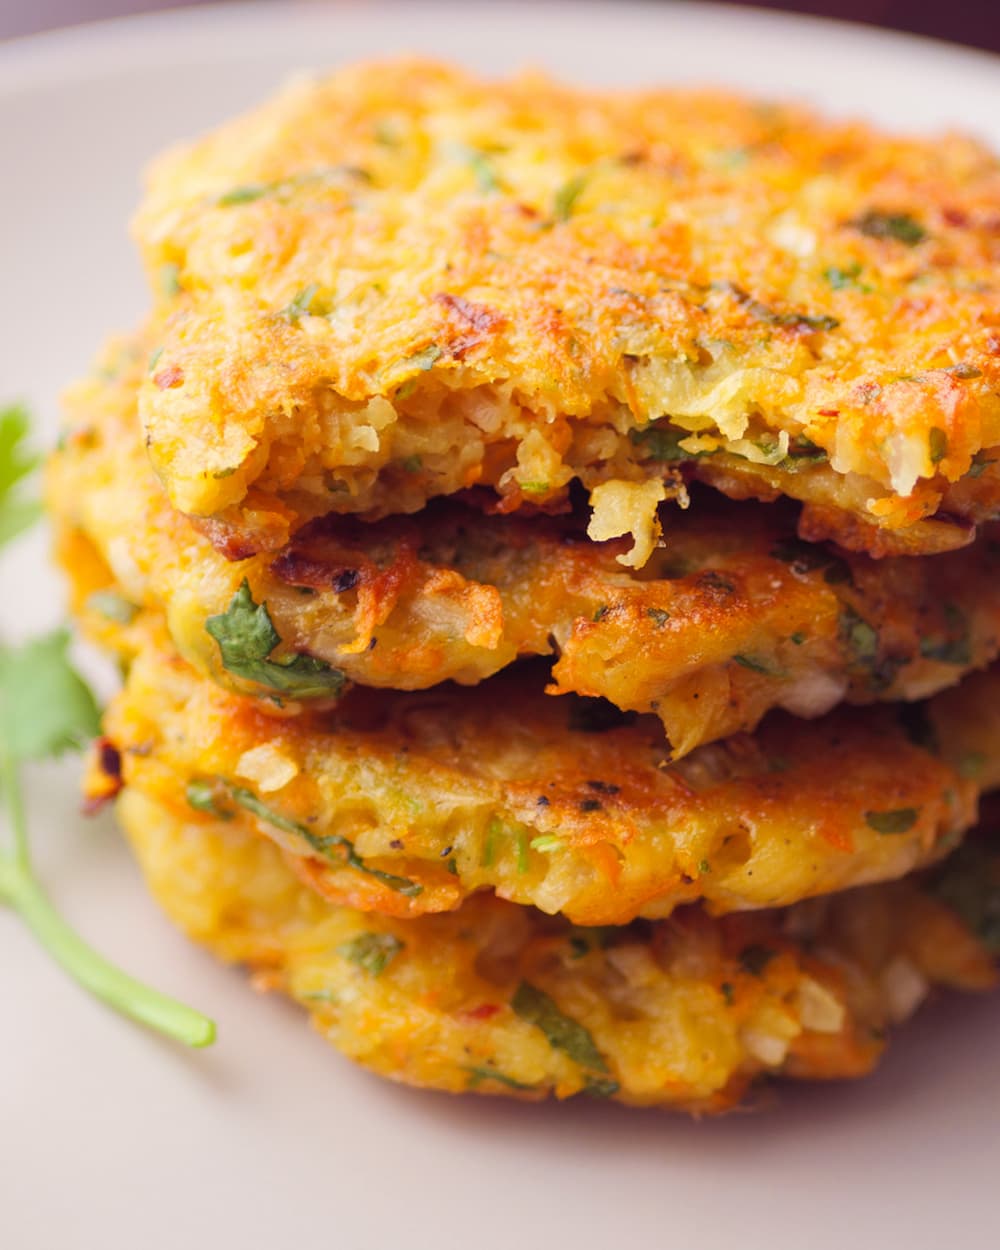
column 402, row 281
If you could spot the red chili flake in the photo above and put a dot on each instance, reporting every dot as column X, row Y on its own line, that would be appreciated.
column 484, row 1011
column 170, row 377
column 829, row 412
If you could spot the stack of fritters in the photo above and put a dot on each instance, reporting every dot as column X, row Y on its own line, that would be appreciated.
column 549, row 538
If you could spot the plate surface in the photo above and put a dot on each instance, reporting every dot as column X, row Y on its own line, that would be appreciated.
column 112, row 1139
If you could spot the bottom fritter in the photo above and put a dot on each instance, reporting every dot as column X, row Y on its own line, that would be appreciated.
column 500, row 999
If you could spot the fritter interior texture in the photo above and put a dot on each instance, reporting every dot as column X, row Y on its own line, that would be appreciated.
column 407, row 803
column 400, row 281
column 499, row 999
column 732, row 617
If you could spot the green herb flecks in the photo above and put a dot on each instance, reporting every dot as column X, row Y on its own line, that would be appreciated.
column 754, row 665
column 659, row 616
column 897, row 820
column 937, row 445
column 203, row 795
column 18, row 510
column 283, row 189
column 479, row 1074
column 969, row 883
column 565, row 198
column 662, row 443
column 563, row 1033
column 955, row 647
column 246, row 637
column 323, row 844
column 372, row 952
column 112, row 606
column 860, row 637
column 170, row 282
column 846, row 278
column 301, row 306
column 898, row 226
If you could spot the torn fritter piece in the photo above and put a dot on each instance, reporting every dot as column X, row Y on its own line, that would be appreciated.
column 408, row 803
column 498, row 999
column 401, row 281
column 733, row 617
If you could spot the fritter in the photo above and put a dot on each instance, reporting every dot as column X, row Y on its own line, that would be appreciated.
column 498, row 999
column 401, row 281
column 407, row 803
column 734, row 616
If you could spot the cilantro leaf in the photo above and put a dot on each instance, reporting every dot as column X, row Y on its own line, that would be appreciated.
column 372, row 952
column 17, row 511
column 46, row 708
column 563, row 1033
column 246, row 637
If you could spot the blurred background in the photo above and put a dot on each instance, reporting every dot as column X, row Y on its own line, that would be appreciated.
column 973, row 22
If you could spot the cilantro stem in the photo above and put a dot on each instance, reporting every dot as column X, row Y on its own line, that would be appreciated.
column 19, row 887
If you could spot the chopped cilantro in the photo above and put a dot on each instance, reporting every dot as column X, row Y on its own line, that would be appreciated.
column 899, row 226
column 937, row 441
column 897, row 820
column 754, row 665
column 478, row 1074
column 372, row 952
column 301, row 306
column 658, row 616
column 860, row 637
column 566, row 197
column 847, row 277
column 246, row 637
column 596, row 1088
column 563, row 1033
column 202, row 794
column 546, row 843
column 322, row 843
column 662, row 442
column 18, row 510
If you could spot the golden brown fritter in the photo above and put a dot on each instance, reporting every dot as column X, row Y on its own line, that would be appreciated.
column 407, row 803
column 734, row 616
column 499, row 999
column 400, row 281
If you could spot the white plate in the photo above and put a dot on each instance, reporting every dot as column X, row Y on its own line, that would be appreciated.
column 112, row 1139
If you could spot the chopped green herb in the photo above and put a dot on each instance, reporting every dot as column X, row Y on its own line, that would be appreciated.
column 170, row 283
column 563, row 1033
column 301, row 306
column 535, row 488
column 493, row 831
column 754, row 959
column 969, row 883
column 547, row 842
column 899, row 226
column 937, row 445
column 412, row 464
column 965, row 371
column 154, row 359
column 842, row 278
column 897, row 820
column 479, row 1074
column 246, row 637
column 754, row 665
column 980, row 461
column 601, row 613
column 112, row 606
column 704, row 867
column 322, row 843
column 802, row 453
column 202, row 794
column 481, row 166
column 372, row 952
column 859, row 636
column 245, row 194
column 658, row 616
column 662, row 443
column 727, row 992
column 798, row 637
column 566, row 197
column 595, row 1088
column 18, row 511
column 523, row 863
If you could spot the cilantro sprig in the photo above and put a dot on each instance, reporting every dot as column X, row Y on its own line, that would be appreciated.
column 46, row 709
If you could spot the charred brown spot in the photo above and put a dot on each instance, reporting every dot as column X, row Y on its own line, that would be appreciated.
column 295, row 567
column 469, row 323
